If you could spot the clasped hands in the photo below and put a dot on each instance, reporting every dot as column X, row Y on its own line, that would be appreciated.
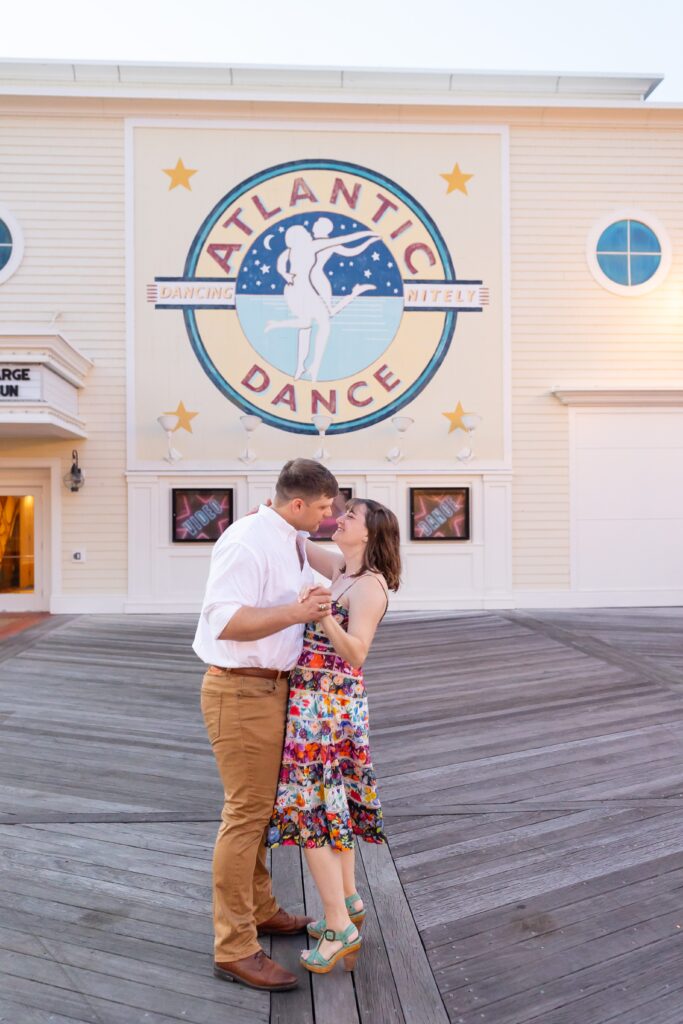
column 316, row 602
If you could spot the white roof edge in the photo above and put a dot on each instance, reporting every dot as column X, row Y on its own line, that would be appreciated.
column 159, row 80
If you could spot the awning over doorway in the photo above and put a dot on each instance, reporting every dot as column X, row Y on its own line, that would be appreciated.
column 41, row 373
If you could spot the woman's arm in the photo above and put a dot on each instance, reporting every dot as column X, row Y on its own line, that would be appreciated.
column 354, row 250
column 367, row 604
column 327, row 563
column 320, row 244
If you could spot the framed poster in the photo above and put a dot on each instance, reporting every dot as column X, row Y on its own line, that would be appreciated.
column 439, row 513
column 329, row 525
column 200, row 515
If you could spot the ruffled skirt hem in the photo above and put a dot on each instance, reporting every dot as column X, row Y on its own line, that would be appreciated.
column 318, row 828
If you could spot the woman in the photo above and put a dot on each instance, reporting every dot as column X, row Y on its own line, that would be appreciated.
column 327, row 790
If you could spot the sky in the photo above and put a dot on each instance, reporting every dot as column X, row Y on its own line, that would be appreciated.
column 487, row 35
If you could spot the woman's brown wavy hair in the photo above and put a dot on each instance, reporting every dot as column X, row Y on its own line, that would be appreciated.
column 383, row 550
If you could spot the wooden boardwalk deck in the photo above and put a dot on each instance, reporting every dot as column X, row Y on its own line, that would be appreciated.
column 531, row 770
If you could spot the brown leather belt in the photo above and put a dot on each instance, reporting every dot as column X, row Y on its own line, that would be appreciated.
column 257, row 673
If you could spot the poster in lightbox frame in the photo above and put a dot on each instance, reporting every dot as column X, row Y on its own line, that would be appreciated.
column 440, row 514
column 200, row 515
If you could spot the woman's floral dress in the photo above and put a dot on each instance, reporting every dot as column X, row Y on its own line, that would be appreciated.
column 327, row 791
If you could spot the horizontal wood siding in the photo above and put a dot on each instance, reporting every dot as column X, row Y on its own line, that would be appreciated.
column 567, row 329
column 62, row 178
column 61, row 174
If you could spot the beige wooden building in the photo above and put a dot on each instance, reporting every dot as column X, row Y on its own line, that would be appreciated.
column 488, row 335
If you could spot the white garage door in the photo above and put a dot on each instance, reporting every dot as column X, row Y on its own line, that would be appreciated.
column 627, row 505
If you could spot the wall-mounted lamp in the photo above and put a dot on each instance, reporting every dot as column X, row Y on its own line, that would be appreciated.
column 470, row 422
column 321, row 424
column 75, row 478
column 250, row 423
column 401, row 424
column 168, row 424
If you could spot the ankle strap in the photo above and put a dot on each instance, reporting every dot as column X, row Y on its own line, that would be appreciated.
column 333, row 936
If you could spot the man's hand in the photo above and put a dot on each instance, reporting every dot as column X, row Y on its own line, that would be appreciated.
column 313, row 603
column 248, row 624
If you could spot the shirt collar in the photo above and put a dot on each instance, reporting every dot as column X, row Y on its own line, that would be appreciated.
column 277, row 522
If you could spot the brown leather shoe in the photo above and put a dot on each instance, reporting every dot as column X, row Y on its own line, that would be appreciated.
column 257, row 971
column 284, row 923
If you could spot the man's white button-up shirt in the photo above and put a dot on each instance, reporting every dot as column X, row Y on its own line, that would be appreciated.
column 254, row 564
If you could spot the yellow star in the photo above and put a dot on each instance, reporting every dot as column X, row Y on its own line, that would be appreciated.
column 184, row 418
column 179, row 175
column 455, row 418
column 456, row 180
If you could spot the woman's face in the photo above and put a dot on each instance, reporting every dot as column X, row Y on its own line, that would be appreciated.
column 351, row 529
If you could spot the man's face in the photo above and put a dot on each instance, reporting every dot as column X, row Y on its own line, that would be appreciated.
column 310, row 514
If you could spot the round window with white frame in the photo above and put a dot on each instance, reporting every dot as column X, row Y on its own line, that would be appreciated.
column 628, row 252
column 11, row 244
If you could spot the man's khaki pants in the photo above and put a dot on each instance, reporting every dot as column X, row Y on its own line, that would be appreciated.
column 245, row 720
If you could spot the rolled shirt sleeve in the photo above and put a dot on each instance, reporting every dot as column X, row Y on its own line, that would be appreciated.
column 235, row 581
column 253, row 565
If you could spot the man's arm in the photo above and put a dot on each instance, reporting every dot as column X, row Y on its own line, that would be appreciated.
column 255, row 623
column 235, row 589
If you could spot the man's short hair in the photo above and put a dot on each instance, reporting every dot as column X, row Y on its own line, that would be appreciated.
column 305, row 478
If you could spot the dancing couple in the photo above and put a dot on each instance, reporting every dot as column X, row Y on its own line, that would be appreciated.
column 284, row 703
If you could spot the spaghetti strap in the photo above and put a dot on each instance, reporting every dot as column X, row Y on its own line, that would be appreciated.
column 362, row 576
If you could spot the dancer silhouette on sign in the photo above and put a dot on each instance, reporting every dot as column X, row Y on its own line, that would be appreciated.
column 308, row 292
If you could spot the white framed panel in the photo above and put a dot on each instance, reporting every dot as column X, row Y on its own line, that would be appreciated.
column 289, row 125
column 627, row 504
column 164, row 576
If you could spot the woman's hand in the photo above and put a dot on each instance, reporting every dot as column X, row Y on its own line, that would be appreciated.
column 315, row 593
column 252, row 511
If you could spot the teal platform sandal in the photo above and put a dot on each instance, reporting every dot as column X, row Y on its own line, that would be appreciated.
column 316, row 928
column 318, row 964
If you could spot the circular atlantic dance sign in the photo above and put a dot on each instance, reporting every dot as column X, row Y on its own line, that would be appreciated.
column 319, row 287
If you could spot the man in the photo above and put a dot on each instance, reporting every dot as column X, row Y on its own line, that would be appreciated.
column 250, row 634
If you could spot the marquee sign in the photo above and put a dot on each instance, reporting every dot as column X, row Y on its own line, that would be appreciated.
column 20, row 382
column 319, row 286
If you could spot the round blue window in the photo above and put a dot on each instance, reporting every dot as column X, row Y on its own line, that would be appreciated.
column 6, row 244
column 628, row 252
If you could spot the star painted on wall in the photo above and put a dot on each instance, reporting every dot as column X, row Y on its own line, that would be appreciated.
column 456, row 180
column 455, row 418
column 179, row 175
column 184, row 418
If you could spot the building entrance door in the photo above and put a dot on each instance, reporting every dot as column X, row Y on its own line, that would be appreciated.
column 23, row 565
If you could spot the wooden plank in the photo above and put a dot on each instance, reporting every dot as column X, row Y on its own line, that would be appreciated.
column 295, row 1007
column 154, row 939
column 662, row 909
column 547, row 920
column 13, row 645
column 591, row 645
column 415, row 984
column 543, row 990
column 15, row 1013
column 531, row 790
column 334, row 996
column 114, row 980
column 376, row 993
